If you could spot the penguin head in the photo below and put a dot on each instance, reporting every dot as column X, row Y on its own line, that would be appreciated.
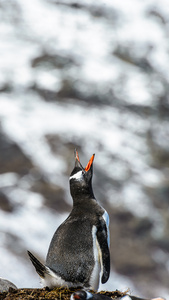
column 81, row 178
column 81, row 295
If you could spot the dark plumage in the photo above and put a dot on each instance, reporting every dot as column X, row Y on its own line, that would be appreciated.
column 79, row 252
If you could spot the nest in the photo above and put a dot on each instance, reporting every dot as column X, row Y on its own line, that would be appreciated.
column 46, row 293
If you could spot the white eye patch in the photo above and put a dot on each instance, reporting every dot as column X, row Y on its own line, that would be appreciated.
column 77, row 176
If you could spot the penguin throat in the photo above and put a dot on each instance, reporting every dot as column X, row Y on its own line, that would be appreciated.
column 80, row 192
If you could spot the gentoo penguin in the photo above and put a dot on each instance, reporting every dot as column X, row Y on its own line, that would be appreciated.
column 85, row 295
column 78, row 254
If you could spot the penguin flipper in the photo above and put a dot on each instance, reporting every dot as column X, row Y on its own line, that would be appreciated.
column 102, row 237
column 40, row 268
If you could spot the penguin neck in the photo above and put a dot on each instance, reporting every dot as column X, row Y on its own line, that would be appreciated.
column 81, row 193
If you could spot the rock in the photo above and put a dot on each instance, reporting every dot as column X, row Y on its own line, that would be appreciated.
column 51, row 61
column 12, row 159
column 5, row 203
column 5, row 285
column 54, row 195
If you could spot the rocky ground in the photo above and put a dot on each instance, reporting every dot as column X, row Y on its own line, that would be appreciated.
column 61, row 294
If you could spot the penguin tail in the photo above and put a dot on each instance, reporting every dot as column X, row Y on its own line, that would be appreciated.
column 40, row 268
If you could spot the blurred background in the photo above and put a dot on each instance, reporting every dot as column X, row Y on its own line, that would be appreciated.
column 91, row 75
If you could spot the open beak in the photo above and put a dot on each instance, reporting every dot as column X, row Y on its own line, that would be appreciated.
column 88, row 166
column 89, row 163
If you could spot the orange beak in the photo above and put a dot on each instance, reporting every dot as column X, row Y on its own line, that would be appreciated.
column 76, row 296
column 89, row 163
column 77, row 155
column 87, row 168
